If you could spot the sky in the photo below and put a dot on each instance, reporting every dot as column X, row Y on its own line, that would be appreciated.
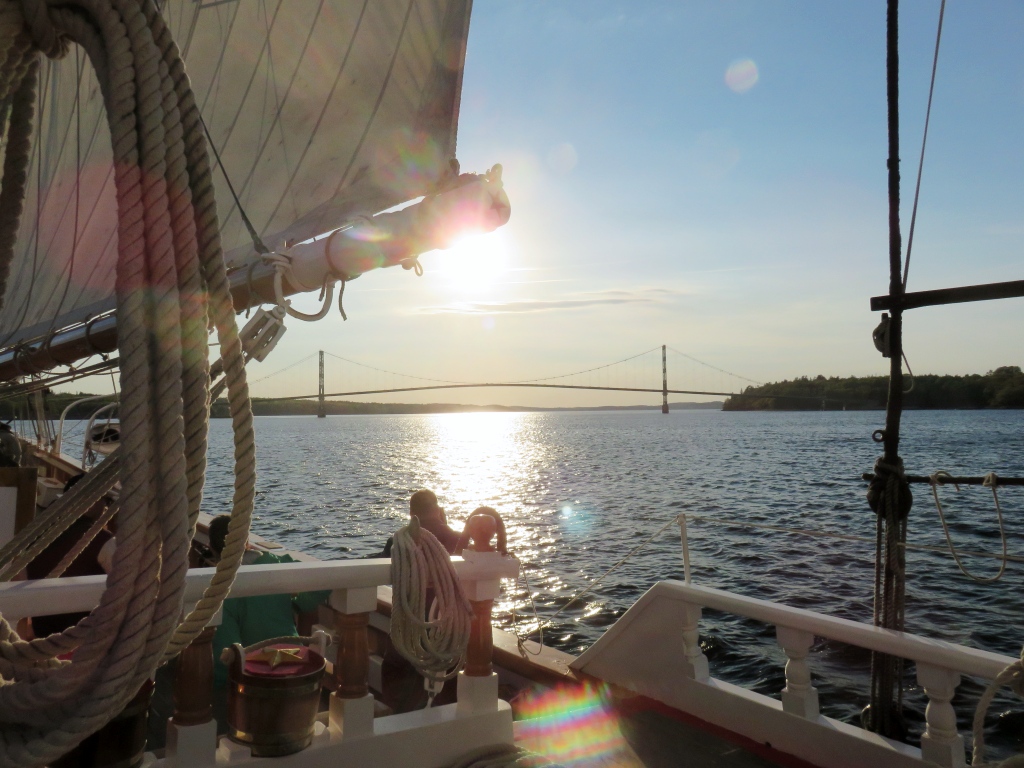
column 710, row 176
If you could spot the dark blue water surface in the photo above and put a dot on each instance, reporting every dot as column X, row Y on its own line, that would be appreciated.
column 579, row 490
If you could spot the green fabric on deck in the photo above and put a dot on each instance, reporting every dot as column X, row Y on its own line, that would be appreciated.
column 248, row 620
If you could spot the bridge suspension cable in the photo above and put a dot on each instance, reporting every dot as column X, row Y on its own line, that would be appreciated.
column 632, row 374
column 282, row 370
column 587, row 370
column 715, row 367
column 393, row 373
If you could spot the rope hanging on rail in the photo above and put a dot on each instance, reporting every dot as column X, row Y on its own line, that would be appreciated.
column 435, row 643
column 1013, row 676
column 170, row 284
column 992, row 482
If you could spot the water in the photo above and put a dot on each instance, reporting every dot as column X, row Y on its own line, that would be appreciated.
column 579, row 490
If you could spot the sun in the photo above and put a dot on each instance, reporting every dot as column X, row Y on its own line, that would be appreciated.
column 474, row 264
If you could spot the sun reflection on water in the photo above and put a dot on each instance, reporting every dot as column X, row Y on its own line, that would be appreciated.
column 475, row 459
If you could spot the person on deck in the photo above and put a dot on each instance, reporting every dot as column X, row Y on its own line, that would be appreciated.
column 423, row 504
column 249, row 620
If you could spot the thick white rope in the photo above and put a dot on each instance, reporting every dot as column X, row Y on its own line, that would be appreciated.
column 435, row 646
column 170, row 281
column 991, row 481
column 1012, row 675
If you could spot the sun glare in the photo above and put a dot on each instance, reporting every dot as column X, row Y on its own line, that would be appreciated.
column 474, row 264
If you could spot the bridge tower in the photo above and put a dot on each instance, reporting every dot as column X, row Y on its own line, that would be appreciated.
column 321, row 411
column 664, row 381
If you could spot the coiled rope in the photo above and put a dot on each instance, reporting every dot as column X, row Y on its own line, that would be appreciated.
column 170, row 283
column 1012, row 675
column 434, row 644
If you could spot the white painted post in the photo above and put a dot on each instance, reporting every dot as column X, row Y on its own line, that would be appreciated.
column 686, row 548
column 696, row 661
column 799, row 697
column 352, row 718
column 941, row 743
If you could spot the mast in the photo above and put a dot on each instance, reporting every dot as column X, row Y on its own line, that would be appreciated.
column 889, row 494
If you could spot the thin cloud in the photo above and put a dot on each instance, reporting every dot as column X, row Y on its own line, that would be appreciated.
column 577, row 301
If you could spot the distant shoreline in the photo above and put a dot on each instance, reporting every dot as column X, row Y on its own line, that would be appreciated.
column 350, row 408
column 1002, row 388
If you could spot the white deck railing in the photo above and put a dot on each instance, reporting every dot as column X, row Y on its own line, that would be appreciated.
column 353, row 737
column 670, row 613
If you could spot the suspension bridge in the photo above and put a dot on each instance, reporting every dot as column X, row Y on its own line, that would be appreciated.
column 645, row 372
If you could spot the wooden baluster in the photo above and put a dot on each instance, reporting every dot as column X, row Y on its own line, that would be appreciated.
column 352, row 702
column 193, row 681
column 352, row 667
column 481, row 640
column 696, row 665
column 192, row 731
column 478, row 682
column 941, row 743
column 799, row 697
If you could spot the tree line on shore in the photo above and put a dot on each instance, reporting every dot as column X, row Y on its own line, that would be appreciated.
column 1001, row 388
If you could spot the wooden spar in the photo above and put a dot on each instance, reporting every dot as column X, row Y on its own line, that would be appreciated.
column 986, row 292
column 99, row 336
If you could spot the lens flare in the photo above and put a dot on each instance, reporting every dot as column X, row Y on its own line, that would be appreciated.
column 741, row 75
column 571, row 726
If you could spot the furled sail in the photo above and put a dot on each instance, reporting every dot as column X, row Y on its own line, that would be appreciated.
column 320, row 110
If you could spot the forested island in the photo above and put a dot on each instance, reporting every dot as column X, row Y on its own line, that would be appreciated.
column 1001, row 388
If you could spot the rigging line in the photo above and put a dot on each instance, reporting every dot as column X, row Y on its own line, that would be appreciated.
column 715, row 368
column 224, row 48
column 602, row 577
column 323, row 109
column 380, row 99
column 97, row 199
column 56, row 165
column 282, row 370
column 44, row 91
column 78, row 183
column 924, row 141
column 276, row 123
column 252, row 78
column 812, row 533
column 588, row 370
column 256, row 241
column 196, row 8
column 392, row 373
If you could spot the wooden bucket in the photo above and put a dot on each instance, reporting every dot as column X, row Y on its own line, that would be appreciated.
column 121, row 743
column 273, row 698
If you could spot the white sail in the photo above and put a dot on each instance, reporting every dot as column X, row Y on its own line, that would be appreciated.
column 319, row 110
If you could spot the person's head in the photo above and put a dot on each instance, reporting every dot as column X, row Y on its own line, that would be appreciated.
column 10, row 448
column 423, row 504
column 218, row 532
